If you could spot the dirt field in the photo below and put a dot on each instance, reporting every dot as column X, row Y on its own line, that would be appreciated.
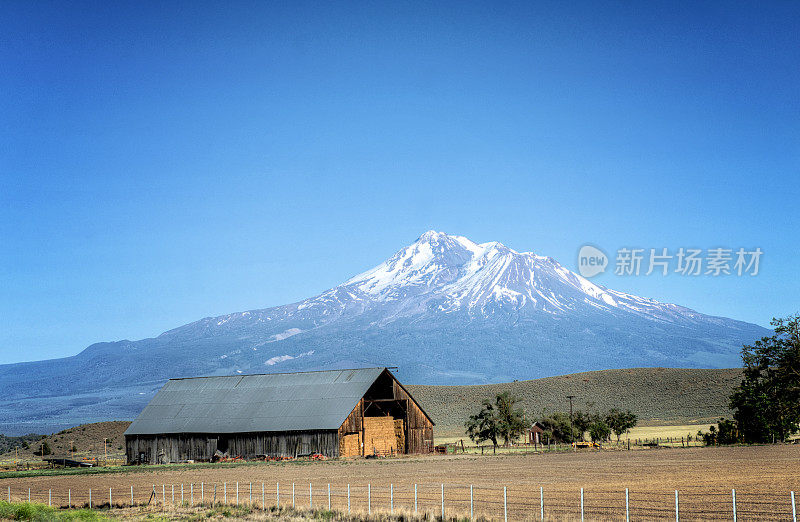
column 762, row 475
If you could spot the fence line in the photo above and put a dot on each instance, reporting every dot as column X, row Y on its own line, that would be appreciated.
column 448, row 499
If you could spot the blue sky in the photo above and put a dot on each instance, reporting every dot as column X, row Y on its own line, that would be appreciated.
column 163, row 163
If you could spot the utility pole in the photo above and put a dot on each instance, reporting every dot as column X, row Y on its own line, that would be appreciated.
column 105, row 452
column 571, row 429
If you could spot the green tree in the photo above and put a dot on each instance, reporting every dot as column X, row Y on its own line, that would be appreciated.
column 44, row 449
column 725, row 432
column 496, row 419
column 581, row 422
column 599, row 431
column 512, row 420
column 620, row 421
column 557, row 427
column 767, row 402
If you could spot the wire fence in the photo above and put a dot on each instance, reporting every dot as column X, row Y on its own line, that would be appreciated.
column 446, row 500
column 460, row 446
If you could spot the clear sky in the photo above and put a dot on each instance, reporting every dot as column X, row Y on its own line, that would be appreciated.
column 164, row 162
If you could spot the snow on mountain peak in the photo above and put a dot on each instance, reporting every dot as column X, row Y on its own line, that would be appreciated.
column 459, row 274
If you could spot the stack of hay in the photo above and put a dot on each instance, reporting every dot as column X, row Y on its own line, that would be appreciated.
column 379, row 436
column 400, row 434
column 350, row 445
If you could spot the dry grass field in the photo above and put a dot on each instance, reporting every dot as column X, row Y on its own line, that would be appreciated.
column 762, row 475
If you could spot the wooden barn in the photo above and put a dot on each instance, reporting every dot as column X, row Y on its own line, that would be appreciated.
column 336, row 413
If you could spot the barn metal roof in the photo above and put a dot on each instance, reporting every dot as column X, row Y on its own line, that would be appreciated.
column 301, row 401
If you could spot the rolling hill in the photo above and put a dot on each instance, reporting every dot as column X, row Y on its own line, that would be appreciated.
column 658, row 396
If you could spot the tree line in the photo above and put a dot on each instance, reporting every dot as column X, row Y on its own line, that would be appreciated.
column 501, row 420
column 766, row 404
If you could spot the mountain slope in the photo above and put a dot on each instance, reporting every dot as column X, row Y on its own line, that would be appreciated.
column 445, row 310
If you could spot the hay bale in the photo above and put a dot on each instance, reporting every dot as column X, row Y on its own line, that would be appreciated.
column 350, row 445
column 400, row 435
column 379, row 435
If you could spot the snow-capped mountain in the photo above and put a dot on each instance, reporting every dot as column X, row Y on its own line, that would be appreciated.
column 443, row 309
column 447, row 274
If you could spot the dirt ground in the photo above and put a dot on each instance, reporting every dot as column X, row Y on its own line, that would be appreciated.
column 762, row 476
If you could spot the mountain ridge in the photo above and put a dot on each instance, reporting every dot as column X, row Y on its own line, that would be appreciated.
column 444, row 309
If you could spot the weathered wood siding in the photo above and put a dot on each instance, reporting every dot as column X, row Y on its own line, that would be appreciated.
column 350, row 433
column 162, row 449
column 419, row 428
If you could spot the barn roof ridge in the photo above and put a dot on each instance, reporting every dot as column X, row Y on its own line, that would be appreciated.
column 283, row 373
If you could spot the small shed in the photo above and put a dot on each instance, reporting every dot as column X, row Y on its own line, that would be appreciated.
column 533, row 434
column 336, row 413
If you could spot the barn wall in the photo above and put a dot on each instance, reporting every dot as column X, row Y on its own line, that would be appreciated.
column 418, row 428
column 350, row 433
column 161, row 449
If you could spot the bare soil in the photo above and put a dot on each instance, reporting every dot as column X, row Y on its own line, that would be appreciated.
column 763, row 476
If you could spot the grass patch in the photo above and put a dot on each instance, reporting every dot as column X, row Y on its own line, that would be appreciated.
column 32, row 511
column 54, row 472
